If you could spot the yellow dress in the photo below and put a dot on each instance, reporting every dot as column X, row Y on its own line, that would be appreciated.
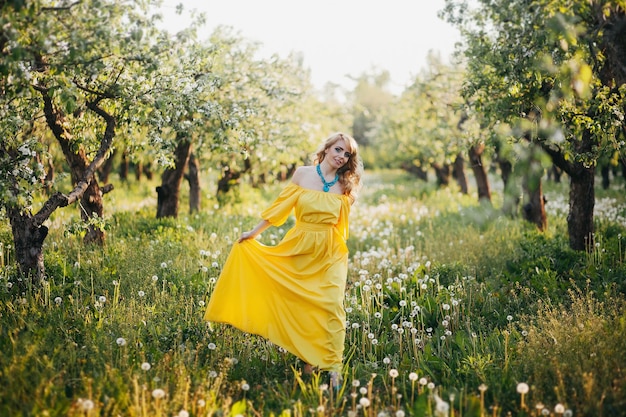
column 292, row 293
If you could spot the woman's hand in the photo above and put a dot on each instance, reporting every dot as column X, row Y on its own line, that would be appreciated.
column 246, row 236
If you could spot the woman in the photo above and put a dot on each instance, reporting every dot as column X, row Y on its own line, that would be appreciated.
column 292, row 293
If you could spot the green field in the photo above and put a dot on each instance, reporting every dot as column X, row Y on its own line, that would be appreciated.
column 453, row 309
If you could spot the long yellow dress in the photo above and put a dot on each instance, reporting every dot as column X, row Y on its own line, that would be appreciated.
column 292, row 293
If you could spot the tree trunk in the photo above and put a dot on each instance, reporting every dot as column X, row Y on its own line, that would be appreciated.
column 91, row 205
column 442, row 173
column 147, row 171
column 105, row 170
column 49, row 179
column 28, row 239
column 124, row 166
column 138, row 171
column 194, row 184
column 418, row 171
column 91, row 199
column 555, row 173
column 482, row 181
column 535, row 209
column 459, row 173
column 581, row 204
column 169, row 190
column 606, row 176
column 506, row 168
column 581, row 194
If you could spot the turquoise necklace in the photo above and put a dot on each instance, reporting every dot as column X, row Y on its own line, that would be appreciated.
column 327, row 185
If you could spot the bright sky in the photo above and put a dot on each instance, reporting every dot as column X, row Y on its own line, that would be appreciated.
column 336, row 37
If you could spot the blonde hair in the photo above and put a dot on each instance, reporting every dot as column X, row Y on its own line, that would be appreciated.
column 350, row 173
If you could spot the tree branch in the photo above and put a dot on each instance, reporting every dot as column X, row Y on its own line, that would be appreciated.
column 59, row 9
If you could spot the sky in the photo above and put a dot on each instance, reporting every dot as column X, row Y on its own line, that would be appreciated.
column 337, row 38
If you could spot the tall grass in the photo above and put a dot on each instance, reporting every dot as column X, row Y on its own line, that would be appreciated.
column 452, row 307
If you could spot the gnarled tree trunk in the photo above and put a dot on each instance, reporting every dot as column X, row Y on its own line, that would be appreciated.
column 581, row 194
column 169, row 190
column 581, row 204
column 28, row 238
column 91, row 199
column 413, row 169
column 458, row 172
column 442, row 173
column 480, row 173
column 194, row 184
column 534, row 210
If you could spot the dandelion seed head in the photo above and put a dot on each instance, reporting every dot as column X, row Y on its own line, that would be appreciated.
column 364, row 402
column 523, row 388
column 393, row 373
column 559, row 408
column 146, row 366
column 58, row 300
column 85, row 404
column 158, row 393
column 120, row 341
column 363, row 390
column 163, row 265
column 413, row 376
column 102, row 299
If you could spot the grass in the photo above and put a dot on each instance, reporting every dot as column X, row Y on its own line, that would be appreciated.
column 450, row 305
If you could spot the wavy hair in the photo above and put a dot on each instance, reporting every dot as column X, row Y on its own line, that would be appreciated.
column 350, row 173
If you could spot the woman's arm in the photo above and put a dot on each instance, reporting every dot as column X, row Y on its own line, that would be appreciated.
column 258, row 229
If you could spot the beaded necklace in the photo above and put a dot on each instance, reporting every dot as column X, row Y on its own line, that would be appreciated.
column 327, row 185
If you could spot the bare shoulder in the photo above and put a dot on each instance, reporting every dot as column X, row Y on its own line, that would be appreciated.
column 301, row 174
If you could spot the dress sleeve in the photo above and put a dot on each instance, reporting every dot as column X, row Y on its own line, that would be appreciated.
column 281, row 208
column 342, row 224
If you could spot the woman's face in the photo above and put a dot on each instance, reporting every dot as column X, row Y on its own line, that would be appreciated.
column 338, row 154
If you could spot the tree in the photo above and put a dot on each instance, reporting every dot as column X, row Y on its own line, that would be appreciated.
column 553, row 71
column 71, row 71
column 426, row 127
